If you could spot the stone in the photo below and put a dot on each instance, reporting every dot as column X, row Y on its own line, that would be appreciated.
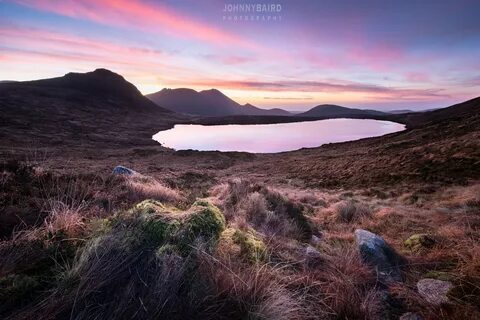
column 312, row 257
column 123, row 170
column 419, row 241
column 376, row 252
column 434, row 291
column 410, row 316
column 315, row 240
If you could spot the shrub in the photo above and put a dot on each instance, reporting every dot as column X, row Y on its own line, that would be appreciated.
column 63, row 220
column 266, row 210
column 143, row 187
column 351, row 211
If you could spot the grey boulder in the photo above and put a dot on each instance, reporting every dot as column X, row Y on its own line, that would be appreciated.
column 123, row 170
column 376, row 252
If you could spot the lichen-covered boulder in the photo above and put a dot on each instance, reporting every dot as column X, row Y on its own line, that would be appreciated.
column 419, row 241
column 434, row 291
column 376, row 252
column 123, row 171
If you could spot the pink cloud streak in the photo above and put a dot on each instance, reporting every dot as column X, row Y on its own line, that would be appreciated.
column 140, row 15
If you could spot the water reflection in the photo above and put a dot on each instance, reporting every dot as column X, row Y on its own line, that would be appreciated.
column 272, row 137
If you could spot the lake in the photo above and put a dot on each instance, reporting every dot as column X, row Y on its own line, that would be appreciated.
column 268, row 138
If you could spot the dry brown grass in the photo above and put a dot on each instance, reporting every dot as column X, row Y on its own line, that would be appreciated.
column 65, row 220
column 350, row 211
column 266, row 209
column 143, row 187
column 119, row 275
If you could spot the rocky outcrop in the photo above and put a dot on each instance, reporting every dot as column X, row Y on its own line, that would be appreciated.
column 376, row 252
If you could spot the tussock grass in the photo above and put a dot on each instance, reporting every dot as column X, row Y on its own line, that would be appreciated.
column 351, row 211
column 143, row 187
column 130, row 247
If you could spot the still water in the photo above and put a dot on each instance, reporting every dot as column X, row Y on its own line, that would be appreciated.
column 267, row 138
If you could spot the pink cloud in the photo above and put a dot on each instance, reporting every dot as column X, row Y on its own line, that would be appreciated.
column 142, row 16
column 417, row 77
column 58, row 50
column 372, row 91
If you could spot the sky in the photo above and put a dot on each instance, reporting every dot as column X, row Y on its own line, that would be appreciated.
column 379, row 54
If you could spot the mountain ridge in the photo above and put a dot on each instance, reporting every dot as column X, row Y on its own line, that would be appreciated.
column 210, row 103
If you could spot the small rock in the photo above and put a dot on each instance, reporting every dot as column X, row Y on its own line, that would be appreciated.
column 434, row 291
column 410, row 316
column 312, row 252
column 123, row 170
column 376, row 252
column 312, row 256
column 419, row 241
column 315, row 240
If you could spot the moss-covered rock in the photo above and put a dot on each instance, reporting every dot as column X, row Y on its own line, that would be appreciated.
column 156, row 224
column 149, row 206
column 251, row 246
column 205, row 220
column 419, row 241
column 246, row 245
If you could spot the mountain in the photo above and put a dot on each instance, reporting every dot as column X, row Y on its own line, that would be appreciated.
column 400, row 111
column 467, row 111
column 98, row 84
column 206, row 103
column 334, row 111
column 92, row 106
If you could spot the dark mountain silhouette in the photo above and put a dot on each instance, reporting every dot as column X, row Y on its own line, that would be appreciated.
column 464, row 111
column 401, row 111
column 98, row 84
column 91, row 106
column 334, row 111
column 206, row 103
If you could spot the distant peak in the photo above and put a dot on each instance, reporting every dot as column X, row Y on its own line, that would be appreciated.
column 98, row 73
column 212, row 91
column 178, row 90
column 329, row 106
column 104, row 71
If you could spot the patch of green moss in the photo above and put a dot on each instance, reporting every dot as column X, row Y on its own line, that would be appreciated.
column 166, row 249
column 158, row 230
column 419, row 241
column 152, row 223
column 251, row 246
column 149, row 207
column 205, row 221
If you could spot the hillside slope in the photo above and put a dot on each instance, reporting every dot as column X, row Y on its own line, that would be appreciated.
column 90, row 107
column 334, row 111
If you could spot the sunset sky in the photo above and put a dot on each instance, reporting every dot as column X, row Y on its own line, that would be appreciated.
column 379, row 54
